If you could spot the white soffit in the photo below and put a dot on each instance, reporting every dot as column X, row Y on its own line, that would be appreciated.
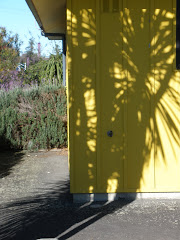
column 50, row 15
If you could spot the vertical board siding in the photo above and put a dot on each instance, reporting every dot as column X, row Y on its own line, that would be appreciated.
column 83, row 99
column 123, row 79
column 178, row 35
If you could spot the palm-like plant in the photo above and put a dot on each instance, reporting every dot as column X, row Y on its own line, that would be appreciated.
column 52, row 69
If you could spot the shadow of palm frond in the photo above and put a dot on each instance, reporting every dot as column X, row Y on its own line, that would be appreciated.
column 50, row 215
column 8, row 159
column 127, row 80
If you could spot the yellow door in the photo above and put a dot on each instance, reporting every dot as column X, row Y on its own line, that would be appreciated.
column 139, row 128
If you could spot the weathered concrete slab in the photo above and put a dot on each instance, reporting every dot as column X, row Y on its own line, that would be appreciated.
column 35, row 203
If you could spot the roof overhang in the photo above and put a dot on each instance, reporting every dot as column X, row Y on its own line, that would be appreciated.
column 51, row 17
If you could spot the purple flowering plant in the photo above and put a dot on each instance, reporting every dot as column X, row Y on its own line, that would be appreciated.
column 11, row 79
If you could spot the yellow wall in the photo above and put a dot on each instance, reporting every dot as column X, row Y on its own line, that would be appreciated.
column 122, row 77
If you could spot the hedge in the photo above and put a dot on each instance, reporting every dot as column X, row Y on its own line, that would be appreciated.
column 34, row 118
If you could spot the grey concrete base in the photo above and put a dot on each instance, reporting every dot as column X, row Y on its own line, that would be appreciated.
column 47, row 239
column 104, row 197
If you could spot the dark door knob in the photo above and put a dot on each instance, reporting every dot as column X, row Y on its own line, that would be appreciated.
column 110, row 133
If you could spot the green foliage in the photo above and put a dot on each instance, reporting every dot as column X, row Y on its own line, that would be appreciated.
column 34, row 72
column 9, row 50
column 43, row 70
column 30, row 50
column 34, row 118
column 53, row 69
column 46, row 71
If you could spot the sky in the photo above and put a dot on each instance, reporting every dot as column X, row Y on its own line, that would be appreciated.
column 16, row 17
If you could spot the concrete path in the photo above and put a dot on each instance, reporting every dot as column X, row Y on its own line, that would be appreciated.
column 35, row 203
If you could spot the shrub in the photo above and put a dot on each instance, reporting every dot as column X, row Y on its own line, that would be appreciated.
column 9, row 50
column 34, row 118
column 11, row 79
column 45, row 71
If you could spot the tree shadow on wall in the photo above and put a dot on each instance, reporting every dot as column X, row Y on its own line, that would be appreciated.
column 135, row 95
column 144, row 93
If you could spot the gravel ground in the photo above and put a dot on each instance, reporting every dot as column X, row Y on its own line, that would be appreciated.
column 30, row 173
column 35, row 203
